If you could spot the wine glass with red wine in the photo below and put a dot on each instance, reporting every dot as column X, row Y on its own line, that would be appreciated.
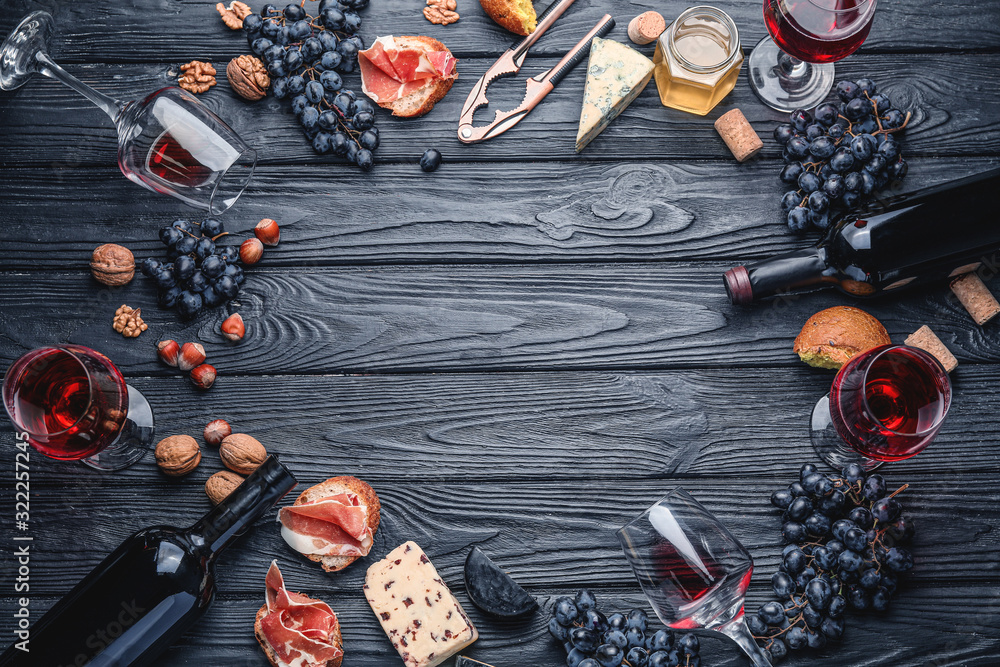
column 793, row 68
column 168, row 142
column 693, row 571
column 74, row 405
column 886, row 404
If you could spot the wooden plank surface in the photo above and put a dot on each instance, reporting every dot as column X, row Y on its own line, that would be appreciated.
column 462, row 318
column 108, row 32
column 69, row 131
column 570, row 212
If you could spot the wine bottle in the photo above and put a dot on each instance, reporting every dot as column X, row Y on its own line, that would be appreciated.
column 899, row 241
column 150, row 590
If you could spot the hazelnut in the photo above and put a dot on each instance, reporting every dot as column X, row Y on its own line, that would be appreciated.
column 251, row 251
column 178, row 455
column 216, row 430
column 220, row 485
column 192, row 354
column 112, row 265
column 233, row 327
column 242, row 453
column 169, row 352
column 203, row 376
column 267, row 231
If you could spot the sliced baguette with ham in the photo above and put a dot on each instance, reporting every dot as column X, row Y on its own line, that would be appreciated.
column 332, row 523
column 295, row 630
column 407, row 74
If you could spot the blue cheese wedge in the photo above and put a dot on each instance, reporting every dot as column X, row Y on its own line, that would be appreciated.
column 616, row 74
column 421, row 617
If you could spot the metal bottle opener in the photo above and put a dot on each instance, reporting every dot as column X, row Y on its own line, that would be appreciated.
column 536, row 87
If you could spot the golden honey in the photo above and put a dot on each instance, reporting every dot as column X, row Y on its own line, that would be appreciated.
column 697, row 60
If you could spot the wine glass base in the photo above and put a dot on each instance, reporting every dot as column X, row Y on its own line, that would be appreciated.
column 784, row 83
column 828, row 443
column 133, row 442
column 17, row 54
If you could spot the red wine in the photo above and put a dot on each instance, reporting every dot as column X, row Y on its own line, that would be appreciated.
column 175, row 164
column 899, row 241
column 819, row 31
column 151, row 589
column 71, row 400
column 688, row 585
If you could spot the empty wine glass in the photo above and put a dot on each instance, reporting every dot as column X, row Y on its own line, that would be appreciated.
column 793, row 68
column 886, row 404
column 74, row 405
column 693, row 571
column 168, row 142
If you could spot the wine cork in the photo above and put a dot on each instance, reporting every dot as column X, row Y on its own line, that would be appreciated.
column 646, row 27
column 928, row 341
column 738, row 134
column 976, row 298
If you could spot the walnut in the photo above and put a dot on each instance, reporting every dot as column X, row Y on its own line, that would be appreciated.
column 198, row 76
column 220, row 485
column 128, row 322
column 233, row 15
column 441, row 12
column 242, row 453
column 178, row 455
column 112, row 265
column 248, row 77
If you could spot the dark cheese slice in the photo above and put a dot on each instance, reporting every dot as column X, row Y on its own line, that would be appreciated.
column 469, row 662
column 492, row 590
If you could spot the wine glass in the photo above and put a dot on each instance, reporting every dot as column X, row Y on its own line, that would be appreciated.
column 168, row 142
column 693, row 571
column 886, row 404
column 74, row 405
column 793, row 68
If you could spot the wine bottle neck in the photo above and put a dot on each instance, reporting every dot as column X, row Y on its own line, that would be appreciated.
column 247, row 503
column 792, row 272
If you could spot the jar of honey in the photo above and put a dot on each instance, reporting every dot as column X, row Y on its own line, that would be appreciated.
column 698, row 59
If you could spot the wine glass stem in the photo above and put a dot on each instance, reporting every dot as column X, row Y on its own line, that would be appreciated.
column 792, row 67
column 738, row 631
column 109, row 105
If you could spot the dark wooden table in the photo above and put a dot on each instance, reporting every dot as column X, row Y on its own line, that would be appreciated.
column 521, row 351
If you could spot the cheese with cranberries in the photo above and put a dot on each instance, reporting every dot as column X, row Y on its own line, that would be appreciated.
column 421, row 617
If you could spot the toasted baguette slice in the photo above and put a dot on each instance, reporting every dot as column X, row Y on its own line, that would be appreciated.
column 331, row 487
column 272, row 657
column 518, row 16
column 422, row 100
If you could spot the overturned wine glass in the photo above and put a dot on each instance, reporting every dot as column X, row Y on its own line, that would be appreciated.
column 168, row 142
column 694, row 573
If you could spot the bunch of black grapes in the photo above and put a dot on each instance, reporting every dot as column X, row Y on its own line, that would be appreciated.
column 305, row 56
column 845, row 551
column 839, row 155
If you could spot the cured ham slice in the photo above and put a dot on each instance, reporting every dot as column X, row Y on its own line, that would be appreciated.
column 301, row 631
column 396, row 68
column 335, row 525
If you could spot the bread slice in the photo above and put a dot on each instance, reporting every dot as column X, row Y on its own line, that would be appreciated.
column 518, row 16
column 272, row 657
column 333, row 486
column 422, row 100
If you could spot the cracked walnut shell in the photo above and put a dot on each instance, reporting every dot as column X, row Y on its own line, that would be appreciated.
column 441, row 12
column 242, row 453
column 220, row 485
column 128, row 322
column 248, row 77
column 112, row 265
column 198, row 76
column 234, row 14
column 178, row 455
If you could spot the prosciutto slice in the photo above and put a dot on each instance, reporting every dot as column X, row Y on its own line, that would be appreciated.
column 298, row 628
column 389, row 72
column 336, row 525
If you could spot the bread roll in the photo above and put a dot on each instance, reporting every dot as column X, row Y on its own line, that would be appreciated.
column 831, row 337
